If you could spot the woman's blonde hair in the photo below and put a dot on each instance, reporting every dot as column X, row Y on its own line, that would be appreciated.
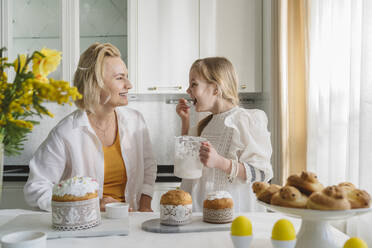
column 88, row 77
column 218, row 71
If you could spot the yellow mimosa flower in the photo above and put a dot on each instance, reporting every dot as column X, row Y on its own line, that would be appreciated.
column 23, row 123
column 4, row 77
column 24, row 97
column 50, row 114
column 41, row 78
column 48, row 63
column 21, row 62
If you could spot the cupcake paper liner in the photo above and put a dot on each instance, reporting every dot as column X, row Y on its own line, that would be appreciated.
column 78, row 215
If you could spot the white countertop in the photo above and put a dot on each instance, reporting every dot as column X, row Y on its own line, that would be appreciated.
column 262, row 225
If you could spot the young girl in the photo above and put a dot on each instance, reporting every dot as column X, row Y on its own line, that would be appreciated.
column 238, row 150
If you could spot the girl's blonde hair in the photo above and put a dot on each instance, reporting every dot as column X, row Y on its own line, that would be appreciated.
column 88, row 77
column 218, row 71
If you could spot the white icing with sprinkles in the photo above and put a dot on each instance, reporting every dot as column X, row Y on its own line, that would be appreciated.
column 218, row 195
column 76, row 186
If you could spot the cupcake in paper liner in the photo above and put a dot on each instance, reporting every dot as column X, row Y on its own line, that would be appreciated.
column 218, row 208
column 75, row 204
column 175, row 208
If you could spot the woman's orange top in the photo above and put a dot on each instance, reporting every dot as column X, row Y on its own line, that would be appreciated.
column 115, row 173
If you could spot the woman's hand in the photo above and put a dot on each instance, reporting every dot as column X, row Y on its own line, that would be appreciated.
column 104, row 201
column 145, row 203
column 211, row 159
column 182, row 109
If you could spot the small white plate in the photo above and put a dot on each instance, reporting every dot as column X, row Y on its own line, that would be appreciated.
column 24, row 239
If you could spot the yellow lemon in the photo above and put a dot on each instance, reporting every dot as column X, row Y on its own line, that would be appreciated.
column 241, row 226
column 355, row 243
column 283, row 230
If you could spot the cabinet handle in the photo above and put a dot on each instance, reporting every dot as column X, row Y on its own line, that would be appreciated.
column 154, row 88
column 243, row 86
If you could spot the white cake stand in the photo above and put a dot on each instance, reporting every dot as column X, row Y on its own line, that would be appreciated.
column 315, row 230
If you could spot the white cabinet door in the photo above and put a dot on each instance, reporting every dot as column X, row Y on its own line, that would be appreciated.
column 233, row 29
column 168, row 43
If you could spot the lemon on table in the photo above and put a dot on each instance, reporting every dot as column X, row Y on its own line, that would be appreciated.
column 283, row 230
column 241, row 226
column 355, row 243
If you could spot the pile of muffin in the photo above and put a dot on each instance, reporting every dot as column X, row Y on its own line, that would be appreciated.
column 176, row 208
column 305, row 191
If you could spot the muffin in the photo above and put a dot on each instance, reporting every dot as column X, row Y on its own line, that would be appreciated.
column 306, row 182
column 75, row 204
column 330, row 198
column 358, row 198
column 218, row 208
column 175, row 208
column 264, row 191
column 289, row 196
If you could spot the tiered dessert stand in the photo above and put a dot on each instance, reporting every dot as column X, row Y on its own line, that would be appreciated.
column 315, row 230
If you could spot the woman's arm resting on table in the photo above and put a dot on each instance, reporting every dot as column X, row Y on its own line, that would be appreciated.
column 46, row 169
column 145, row 203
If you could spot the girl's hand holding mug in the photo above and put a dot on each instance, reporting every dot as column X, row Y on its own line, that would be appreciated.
column 211, row 159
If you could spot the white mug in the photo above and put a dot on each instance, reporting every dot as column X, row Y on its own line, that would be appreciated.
column 186, row 160
column 117, row 210
column 24, row 239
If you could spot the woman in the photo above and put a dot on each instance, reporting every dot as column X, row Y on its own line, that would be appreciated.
column 101, row 139
column 238, row 150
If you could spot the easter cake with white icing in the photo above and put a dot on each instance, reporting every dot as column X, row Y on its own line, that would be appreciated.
column 75, row 204
column 218, row 207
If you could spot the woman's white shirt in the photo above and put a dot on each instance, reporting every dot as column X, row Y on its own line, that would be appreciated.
column 72, row 149
column 238, row 134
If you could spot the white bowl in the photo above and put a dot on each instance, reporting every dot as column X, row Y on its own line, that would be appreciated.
column 241, row 241
column 117, row 210
column 24, row 239
column 283, row 243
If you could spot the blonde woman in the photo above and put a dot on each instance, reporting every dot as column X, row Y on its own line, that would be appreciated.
column 238, row 150
column 102, row 139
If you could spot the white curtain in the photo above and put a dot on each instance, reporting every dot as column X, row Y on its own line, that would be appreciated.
column 340, row 97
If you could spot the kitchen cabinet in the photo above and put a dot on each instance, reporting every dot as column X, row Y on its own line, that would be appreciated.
column 158, row 39
column 69, row 26
column 233, row 29
column 173, row 34
column 168, row 43
column 12, row 196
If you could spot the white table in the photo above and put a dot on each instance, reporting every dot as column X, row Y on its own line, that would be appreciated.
column 262, row 225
